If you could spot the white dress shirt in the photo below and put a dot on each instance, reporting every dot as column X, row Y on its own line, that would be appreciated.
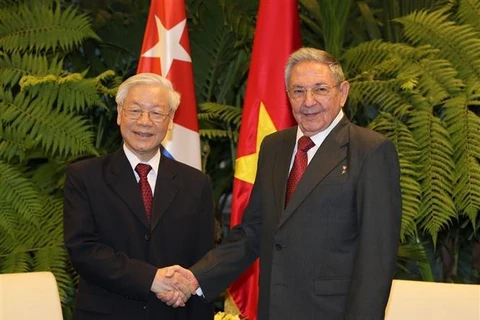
column 154, row 162
column 317, row 139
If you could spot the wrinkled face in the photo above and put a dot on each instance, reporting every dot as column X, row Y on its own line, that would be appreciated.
column 143, row 136
column 322, row 98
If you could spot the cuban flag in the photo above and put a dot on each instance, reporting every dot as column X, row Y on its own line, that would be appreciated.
column 166, row 51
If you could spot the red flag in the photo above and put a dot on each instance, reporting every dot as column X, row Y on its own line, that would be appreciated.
column 266, row 110
column 166, row 51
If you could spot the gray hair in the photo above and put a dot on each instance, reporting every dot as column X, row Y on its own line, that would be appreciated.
column 314, row 55
column 148, row 78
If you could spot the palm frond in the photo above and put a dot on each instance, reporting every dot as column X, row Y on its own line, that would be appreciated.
column 464, row 129
column 383, row 56
column 218, row 121
column 438, row 209
column 417, row 68
column 215, row 134
column 415, row 252
column 14, row 146
column 221, row 112
column 239, row 16
column 7, row 227
column 19, row 260
column 43, row 126
column 438, row 79
column 70, row 92
column 385, row 95
column 49, row 176
column 411, row 195
column 459, row 44
column 430, row 85
column 397, row 131
column 216, row 50
column 312, row 17
column 56, row 132
column 55, row 259
column 221, row 62
column 19, row 195
column 14, row 66
column 50, row 222
column 334, row 14
column 409, row 155
column 7, row 5
column 468, row 13
column 39, row 28
column 51, row 254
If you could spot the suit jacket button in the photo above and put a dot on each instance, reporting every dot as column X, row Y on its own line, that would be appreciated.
column 147, row 236
column 278, row 246
column 145, row 308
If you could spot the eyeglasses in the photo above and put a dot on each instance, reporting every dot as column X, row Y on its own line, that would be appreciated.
column 300, row 93
column 155, row 116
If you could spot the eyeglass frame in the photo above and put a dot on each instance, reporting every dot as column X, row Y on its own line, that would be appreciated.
column 312, row 90
column 129, row 116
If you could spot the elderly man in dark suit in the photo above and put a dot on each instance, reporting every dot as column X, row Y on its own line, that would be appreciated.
column 131, row 213
column 327, row 238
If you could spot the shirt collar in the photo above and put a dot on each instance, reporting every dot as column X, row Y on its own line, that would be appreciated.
column 319, row 137
column 134, row 160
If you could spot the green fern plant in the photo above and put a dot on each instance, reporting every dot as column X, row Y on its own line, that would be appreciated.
column 221, row 36
column 426, row 93
column 44, row 125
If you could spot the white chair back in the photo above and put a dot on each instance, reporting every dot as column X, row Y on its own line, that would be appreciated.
column 29, row 296
column 419, row 300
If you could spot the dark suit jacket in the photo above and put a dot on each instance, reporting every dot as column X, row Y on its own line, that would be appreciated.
column 114, row 248
column 331, row 253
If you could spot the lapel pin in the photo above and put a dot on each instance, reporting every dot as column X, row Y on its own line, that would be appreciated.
column 344, row 169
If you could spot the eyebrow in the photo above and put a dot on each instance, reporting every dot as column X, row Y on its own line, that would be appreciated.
column 314, row 85
column 162, row 107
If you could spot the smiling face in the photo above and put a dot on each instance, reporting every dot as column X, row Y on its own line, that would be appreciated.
column 143, row 136
column 314, row 113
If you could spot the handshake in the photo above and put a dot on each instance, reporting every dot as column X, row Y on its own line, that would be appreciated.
column 174, row 285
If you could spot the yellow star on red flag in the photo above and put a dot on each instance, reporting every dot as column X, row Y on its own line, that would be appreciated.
column 246, row 167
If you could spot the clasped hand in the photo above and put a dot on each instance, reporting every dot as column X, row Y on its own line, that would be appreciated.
column 174, row 285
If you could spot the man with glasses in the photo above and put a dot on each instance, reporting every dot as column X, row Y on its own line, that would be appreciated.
column 325, row 210
column 130, row 214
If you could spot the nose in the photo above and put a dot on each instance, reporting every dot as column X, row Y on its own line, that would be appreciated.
column 144, row 118
column 309, row 98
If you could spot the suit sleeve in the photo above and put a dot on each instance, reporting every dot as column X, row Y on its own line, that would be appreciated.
column 94, row 260
column 224, row 264
column 205, row 229
column 379, row 219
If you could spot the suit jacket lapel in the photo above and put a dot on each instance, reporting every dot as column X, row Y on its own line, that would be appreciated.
column 166, row 189
column 120, row 177
column 332, row 151
column 283, row 156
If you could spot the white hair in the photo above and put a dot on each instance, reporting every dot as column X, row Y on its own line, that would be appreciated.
column 148, row 78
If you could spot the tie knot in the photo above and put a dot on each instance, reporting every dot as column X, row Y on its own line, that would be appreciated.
column 143, row 169
column 305, row 144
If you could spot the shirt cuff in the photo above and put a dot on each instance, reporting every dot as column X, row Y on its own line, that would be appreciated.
column 199, row 292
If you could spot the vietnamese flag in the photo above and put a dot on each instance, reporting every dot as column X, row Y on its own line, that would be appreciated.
column 266, row 110
column 166, row 51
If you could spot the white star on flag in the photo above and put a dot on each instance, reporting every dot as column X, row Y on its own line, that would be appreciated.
column 166, row 38
column 168, row 47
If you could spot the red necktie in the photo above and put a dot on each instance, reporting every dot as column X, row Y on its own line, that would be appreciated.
column 299, row 166
column 143, row 170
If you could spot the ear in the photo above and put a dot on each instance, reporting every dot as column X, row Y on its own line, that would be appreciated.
column 119, row 114
column 344, row 89
column 170, row 121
